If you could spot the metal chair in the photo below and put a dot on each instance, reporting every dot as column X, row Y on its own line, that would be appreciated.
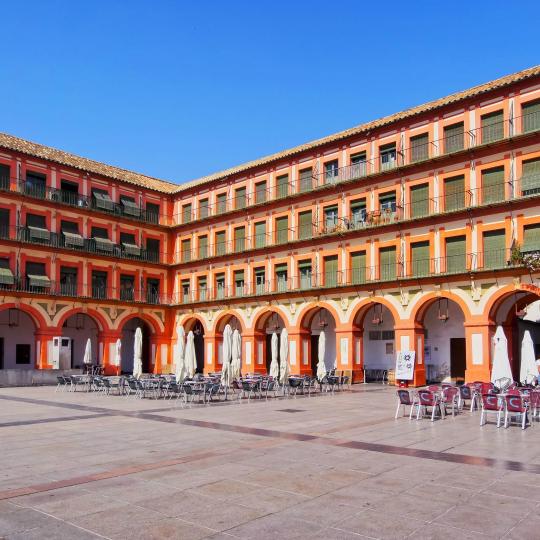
column 406, row 399
column 491, row 404
column 429, row 399
column 450, row 399
column 515, row 406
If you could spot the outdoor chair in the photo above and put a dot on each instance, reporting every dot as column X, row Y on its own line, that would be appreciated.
column 467, row 394
column 428, row 399
column 434, row 388
column 109, row 385
column 213, row 390
column 534, row 404
column 491, row 404
column 332, row 383
column 268, row 385
column 308, row 384
column 450, row 399
column 62, row 383
column 344, row 380
column 294, row 384
column 516, row 407
column 190, row 392
column 406, row 399
column 133, row 388
column 97, row 385
column 74, row 382
column 250, row 388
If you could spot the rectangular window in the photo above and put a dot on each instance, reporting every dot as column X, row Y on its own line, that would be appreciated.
column 70, row 234
column 4, row 223
column 100, row 232
column 203, row 208
column 37, row 229
column 494, row 249
column 282, row 186
column 186, row 296
column 239, row 239
column 305, row 225
column 531, row 238
column 127, row 288
column 456, row 254
column 239, row 283
column 35, row 185
column 221, row 201
column 69, row 193
column 331, row 278
column 419, row 200
column 260, row 192
column 220, row 286
column 69, row 227
column 6, row 275
column 531, row 116
column 420, row 259
column 420, row 147
column 331, row 220
column 186, row 213
column 530, row 178
column 358, row 166
column 358, row 213
column 493, row 185
column 127, row 238
column 152, row 291
column 34, row 220
column 221, row 245
column 202, row 287
column 281, row 277
column 36, row 276
column 282, row 230
column 99, row 284
column 22, row 353
column 152, row 249
column 152, row 212
column 454, row 138
column 306, row 180
column 331, row 172
column 260, row 234
column 260, row 280
column 5, row 175
column 387, row 262
column 186, row 250
column 454, row 193
column 387, row 202
column 68, row 280
column 203, row 247
column 358, row 267
column 388, row 156
column 240, row 198
column 101, row 241
column 101, row 200
column 492, row 127
column 129, row 206
column 305, row 273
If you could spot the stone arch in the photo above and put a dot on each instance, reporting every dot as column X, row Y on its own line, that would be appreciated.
column 262, row 337
column 155, row 325
column 306, row 315
column 188, row 322
column 501, row 295
column 423, row 303
column 225, row 317
column 102, row 323
column 360, row 310
column 262, row 317
column 35, row 314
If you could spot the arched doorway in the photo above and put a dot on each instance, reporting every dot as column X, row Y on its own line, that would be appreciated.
column 78, row 328
column 128, row 339
column 444, row 340
column 314, row 322
column 197, row 328
column 517, row 312
column 17, row 340
column 235, row 324
column 375, row 324
column 267, row 324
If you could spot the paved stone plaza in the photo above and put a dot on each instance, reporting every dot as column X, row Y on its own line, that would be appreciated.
column 77, row 465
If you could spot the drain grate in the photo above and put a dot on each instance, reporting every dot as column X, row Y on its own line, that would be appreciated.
column 291, row 410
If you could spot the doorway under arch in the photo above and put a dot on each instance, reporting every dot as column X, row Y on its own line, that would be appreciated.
column 78, row 328
column 313, row 323
column 194, row 325
column 128, row 339
column 266, row 325
column 17, row 339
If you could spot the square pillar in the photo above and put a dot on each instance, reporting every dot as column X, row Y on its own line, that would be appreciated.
column 349, row 352
column 478, row 336
column 410, row 337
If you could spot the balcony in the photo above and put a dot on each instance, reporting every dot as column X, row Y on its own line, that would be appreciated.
column 69, row 198
column 75, row 242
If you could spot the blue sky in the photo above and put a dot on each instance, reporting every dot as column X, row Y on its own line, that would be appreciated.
column 178, row 89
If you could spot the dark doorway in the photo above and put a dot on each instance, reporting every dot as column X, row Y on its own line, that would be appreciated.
column 314, row 354
column 22, row 353
column 1, row 353
column 269, row 351
column 457, row 358
column 199, row 350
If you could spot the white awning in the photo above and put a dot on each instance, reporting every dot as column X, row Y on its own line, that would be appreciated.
column 38, row 281
column 103, row 201
column 6, row 277
column 104, row 244
column 131, row 208
column 73, row 239
column 37, row 233
column 132, row 249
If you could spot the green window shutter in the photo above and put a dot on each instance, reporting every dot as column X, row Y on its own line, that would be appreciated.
column 220, row 243
column 420, row 259
column 454, row 193
column 240, row 196
column 305, row 272
column 203, row 247
column 531, row 238
column 530, row 178
column 186, row 250
column 239, row 282
column 306, row 180
column 358, row 212
column 456, row 254
column 454, row 138
column 330, row 218
column 260, row 278
column 202, row 289
column 185, row 291
column 260, row 234
column 305, row 225
column 239, row 239
column 203, row 208
column 492, row 127
column 186, row 213
column 260, row 192
column 281, row 277
column 531, row 116
column 220, row 286
column 331, row 271
column 221, row 203
column 420, row 200
column 358, row 267
column 493, row 185
column 388, row 261
column 494, row 249
column 282, row 186
column 420, row 147
column 282, row 230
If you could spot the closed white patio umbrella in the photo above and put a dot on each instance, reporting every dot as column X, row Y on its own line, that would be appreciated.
column 274, row 365
column 118, row 353
column 236, row 354
column 321, row 367
column 189, row 358
column 500, row 370
column 137, row 353
column 180, row 371
column 284, row 357
column 528, row 370
column 226, row 352
column 87, row 359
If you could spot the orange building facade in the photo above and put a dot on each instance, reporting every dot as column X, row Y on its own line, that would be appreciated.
column 416, row 232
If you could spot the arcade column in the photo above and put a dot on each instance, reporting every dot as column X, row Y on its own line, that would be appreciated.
column 409, row 336
column 478, row 336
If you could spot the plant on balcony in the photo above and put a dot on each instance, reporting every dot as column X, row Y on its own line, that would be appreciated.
column 532, row 261
column 516, row 257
